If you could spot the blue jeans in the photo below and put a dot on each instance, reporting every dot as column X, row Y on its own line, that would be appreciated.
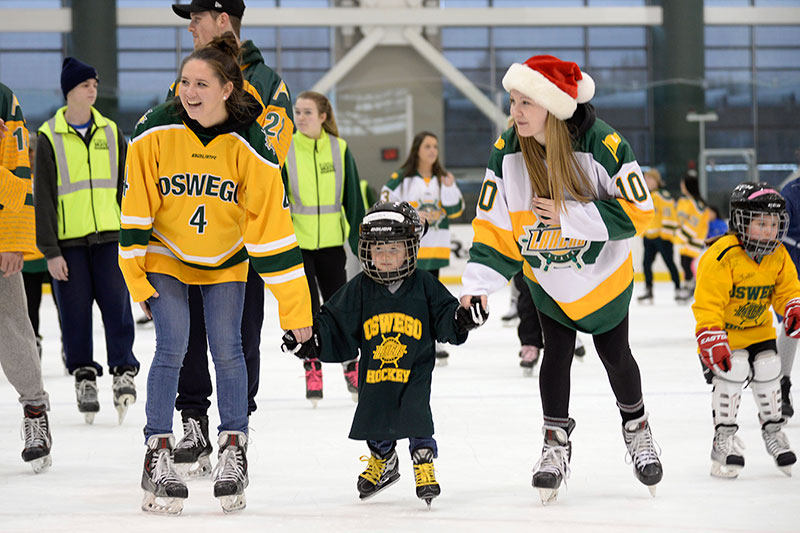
column 223, row 304
column 414, row 443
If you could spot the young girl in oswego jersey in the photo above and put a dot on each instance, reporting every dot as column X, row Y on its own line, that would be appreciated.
column 203, row 198
column 739, row 277
column 423, row 182
column 562, row 199
column 693, row 218
column 392, row 313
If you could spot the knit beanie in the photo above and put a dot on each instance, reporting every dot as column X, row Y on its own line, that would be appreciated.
column 73, row 73
column 558, row 86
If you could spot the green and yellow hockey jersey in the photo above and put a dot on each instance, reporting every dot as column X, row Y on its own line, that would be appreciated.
column 693, row 218
column 581, row 272
column 198, row 203
column 665, row 223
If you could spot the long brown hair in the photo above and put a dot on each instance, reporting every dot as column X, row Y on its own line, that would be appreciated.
column 221, row 56
column 409, row 168
column 323, row 106
column 562, row 174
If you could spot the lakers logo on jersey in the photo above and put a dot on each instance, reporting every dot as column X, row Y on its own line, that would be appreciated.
column 553, row 249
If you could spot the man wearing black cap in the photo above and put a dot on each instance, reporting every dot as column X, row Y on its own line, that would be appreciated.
column 209, row 19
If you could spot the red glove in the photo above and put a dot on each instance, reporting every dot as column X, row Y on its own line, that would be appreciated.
column 715, row 352
column 791, row 318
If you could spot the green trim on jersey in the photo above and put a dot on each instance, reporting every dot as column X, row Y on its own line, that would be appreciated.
column 278, row 262
column 606, row 146
column 486, row 255
column 617, row 222
column 132, row 237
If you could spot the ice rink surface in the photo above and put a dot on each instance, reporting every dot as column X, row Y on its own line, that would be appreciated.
column 488, row 418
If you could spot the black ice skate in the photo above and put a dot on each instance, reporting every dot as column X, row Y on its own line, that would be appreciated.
column 442, row 356
column 230, row 474
column 427, row 486
column 36, row 433
column 193, row 451
column 726, row 452
column 164, row 491
column 778, row 445
column 642, row 452
column 787, row 409
column 580, row 349
column 646, row 298
column 86, row 392
column 313, row 371
column 381, row 472
column 553, row 466
column 124, row 390
column 351, row 378
column 528, row 357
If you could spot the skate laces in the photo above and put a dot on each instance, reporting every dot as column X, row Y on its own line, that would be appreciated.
column 529, row 354
column 162, row 470
column 728, row 443
column 192, row 435
column 375, row 468
column 87, row 390
column 554, row 460
column 642, row 448
column 123, row 381
column 352, row 376
column 34, row 432
column 424, row 474
column 230, row 467
column 314, row 376
column 777, row 442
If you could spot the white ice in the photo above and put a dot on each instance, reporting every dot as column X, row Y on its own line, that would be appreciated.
column 488, row 417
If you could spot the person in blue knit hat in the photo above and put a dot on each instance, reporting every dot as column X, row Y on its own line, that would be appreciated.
column 80, row 165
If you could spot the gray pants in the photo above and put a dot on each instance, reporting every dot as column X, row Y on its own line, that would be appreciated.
column 18, row 355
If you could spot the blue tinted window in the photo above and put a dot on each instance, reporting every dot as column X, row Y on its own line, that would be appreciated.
column 728, row 58
column 617, row 37
column 538, row 37
column 465, row 37
column 727, row 36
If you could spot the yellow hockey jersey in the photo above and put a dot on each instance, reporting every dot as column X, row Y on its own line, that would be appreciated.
column 693, row 217
column 198, row 203
column 735, row 293
column 665, row 221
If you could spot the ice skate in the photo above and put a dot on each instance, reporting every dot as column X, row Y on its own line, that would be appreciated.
column 381, row 472
column 442, row 355
column 553, row 466
column 787, row 408
column 726, row 452
column 230, row 474
column 646, row 298
column 124, row 390
column 351, row 378
column 511, row 318
column 778, row 445
column 643, row 452
column 86, row 392
column 36, row 434
column 193, row 451
column 164, row 491
column 313, row 370
column 580, row 349
column 424, row 475
column 529, row 356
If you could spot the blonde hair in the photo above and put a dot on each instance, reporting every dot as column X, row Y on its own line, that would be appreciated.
column 323, row 106
column 655, row 175
column 555, row 171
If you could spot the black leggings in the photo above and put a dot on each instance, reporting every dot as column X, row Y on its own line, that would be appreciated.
column 325, row 272
column 686, row 264
column 615, row 353
column 529, row 330
column 653, row 247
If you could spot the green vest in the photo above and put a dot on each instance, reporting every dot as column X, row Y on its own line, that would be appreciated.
column 316, row 200
column 87, row 176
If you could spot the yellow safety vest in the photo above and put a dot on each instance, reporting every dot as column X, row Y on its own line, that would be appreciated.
column 316, row 200
column 87, row 176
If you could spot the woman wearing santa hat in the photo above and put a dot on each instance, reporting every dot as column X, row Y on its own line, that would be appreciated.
column 562, row 199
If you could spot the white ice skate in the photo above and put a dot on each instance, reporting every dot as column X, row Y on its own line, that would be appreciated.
column 726, row 452
column 778, row 445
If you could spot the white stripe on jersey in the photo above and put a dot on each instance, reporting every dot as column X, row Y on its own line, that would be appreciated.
column 196, row 258
column 277, row 279
column 270, row 246
column 136, row 221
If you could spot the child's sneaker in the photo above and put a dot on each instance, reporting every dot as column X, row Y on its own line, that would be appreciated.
column 778, row 445
column 313, row 370
column 36, row 433
column 351, row 378
column 427, row 486
column 381, row 472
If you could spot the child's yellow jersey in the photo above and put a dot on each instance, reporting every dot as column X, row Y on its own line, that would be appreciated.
column 198, row 209
column 693, row 217
column 735, row 293
column 664, row 222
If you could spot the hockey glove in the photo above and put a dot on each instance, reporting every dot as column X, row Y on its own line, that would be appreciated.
column 303, row 350
column 715, row 352
column 791, row 318
column 469, row 318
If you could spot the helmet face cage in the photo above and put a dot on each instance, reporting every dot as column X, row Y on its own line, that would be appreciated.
column 389, row 223
column 751, row 201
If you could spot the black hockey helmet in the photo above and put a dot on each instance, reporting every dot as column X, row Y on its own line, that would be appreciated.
column 750, row 200
column 390, row 222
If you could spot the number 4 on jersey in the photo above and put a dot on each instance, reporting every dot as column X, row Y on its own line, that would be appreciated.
column 198, row 219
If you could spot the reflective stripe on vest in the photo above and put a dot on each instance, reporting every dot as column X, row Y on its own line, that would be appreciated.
column 67, row 186
column 297, row 207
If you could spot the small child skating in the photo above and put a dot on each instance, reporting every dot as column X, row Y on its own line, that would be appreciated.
column 739, row 277
column 393, row 314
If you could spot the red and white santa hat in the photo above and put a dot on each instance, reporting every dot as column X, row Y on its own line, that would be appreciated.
column 558, row 86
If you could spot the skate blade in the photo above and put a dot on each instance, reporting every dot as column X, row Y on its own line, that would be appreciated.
column 122, row 403
column 232, row 503
column 41, row 464
column 652, row 489
column 314, row 402
column 786, row 470
column 441, row 361
column 161, row 505
column 89, row 417
column 548, row 495
column 428, row 502
column 197, row 470
column 512, row 323
column 725, row 471
column 527, row 371
column 354, row 395
column 381, row 489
